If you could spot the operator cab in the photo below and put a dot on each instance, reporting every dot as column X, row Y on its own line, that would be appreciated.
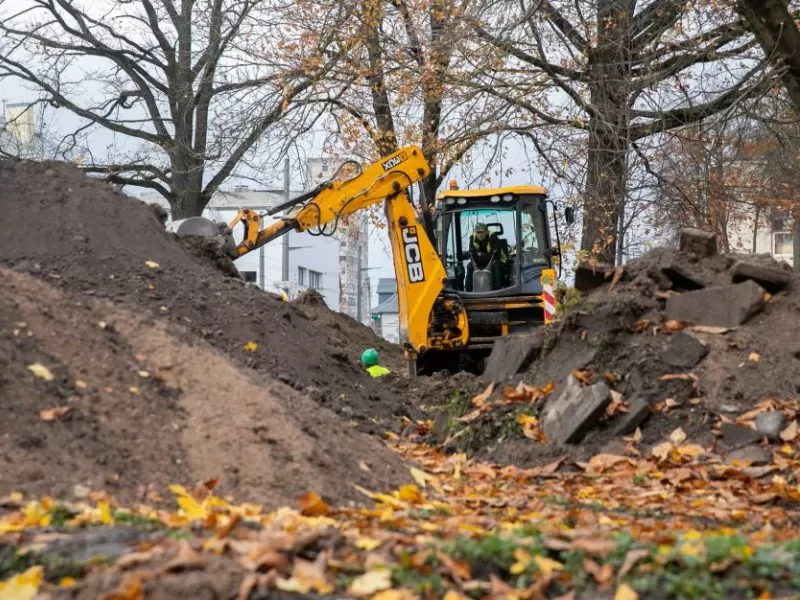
column 507, row 258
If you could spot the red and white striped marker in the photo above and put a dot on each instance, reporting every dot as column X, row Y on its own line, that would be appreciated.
column 549, row 295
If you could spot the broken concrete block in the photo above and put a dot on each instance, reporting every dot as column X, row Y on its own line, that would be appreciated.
column 511, row 355
column 736, row 436
column 754, row 455
column 682, row 280
column 770, row 423
column 684, row 350
column 589, row 277
column 697, row 241
column 570, row 415
column 724, row 306
column 638, row 412
column 771, row 279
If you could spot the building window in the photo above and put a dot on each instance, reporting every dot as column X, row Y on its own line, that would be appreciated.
column 315, row 280
column 249, row 276
column 782, row 243
column 302, row 275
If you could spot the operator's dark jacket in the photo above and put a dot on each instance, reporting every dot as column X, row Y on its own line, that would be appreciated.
column 481, row 252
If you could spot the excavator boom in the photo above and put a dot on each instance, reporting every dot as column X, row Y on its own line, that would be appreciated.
column 338, row 198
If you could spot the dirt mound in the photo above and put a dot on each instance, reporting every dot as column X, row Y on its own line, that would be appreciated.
column 137, row 408
column 90, row 240
column 685, row 339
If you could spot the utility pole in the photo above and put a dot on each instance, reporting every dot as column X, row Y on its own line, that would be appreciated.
column 285, row 240
column 358, row 285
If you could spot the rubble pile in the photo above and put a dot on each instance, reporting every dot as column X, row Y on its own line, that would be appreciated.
column 679, row 339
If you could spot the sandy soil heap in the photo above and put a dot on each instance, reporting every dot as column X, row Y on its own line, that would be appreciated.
column 166, row 390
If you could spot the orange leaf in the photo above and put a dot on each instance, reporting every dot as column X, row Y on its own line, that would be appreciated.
column 480, row 399
column 51, row 414
column 594, row 546
column 312, row 505
column 790, row 433
column 672, row 326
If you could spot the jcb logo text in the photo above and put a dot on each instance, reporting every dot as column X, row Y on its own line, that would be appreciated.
column 413, row 255
column 393, row 162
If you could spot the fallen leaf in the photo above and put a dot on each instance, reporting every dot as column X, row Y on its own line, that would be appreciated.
column 710, row 329
column 187, row 559
column 371, row 582
column 625, row 592
column 790, row 433
column 603, row 575
column 618, row 272
column 366, row 543
column 151, row 264
column 671, row 326
column 23, row 586
column 41, row 371
column 547, row 565
column 594, row 546
column 312, row 505
column 421, row 477
column 51, row 414
column 678, row 436
column 480, row 399
column 410, row 494
column 631, row 558
column 81, row 385
column 67, row 582
column 250, row 346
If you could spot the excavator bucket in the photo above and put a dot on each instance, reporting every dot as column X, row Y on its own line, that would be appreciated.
column 217, row 233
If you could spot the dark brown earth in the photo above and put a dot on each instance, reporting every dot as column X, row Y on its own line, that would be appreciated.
column 261, row 420
column 89, row 240
column 146, row 409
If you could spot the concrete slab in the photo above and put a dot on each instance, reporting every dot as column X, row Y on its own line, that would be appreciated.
column 684, row 350
column 697, row 241
column 722, row 306
column 511, row 355
column 571, row 414
column 771, row 279
column 638, row 412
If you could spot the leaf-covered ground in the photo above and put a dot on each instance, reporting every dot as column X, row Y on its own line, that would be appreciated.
column 672, row 522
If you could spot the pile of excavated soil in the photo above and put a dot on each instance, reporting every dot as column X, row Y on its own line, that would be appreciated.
column 87, row 239
column 691, row 372
column 139, row 405
column 262, row 416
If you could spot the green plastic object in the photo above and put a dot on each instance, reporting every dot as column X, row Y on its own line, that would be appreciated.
column 369, row 357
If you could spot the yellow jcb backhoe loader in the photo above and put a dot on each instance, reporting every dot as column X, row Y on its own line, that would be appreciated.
column 450, row 310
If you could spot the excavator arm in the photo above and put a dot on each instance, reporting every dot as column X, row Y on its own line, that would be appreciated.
column 426, row 319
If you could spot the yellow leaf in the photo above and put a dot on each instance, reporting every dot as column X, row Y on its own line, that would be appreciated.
column 67, row 582
column 547, row 565
column 105, row 513
column 151, row 265
column 23, row 586
column 371, row 582
column 41, row 371
column 625, row 592
column 366, row 543
column 399, row 595
column 753, row 357
column 421, row 477
column 410, row 494
column 678, row 436
column 250, row 346
column 81, row 385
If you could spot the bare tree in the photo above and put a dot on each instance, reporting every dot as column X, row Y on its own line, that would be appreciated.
column 620, row 71
column 775, row 29
column 406, row 83
column 189, row 86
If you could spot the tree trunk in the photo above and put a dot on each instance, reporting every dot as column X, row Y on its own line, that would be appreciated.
column 609, row 86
